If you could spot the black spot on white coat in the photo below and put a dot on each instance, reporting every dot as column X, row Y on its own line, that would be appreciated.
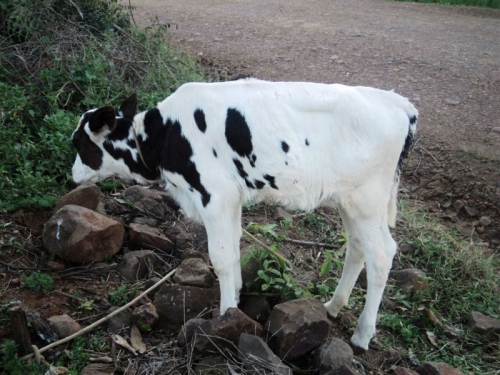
column 199, row 118
column 284, row 146
column 271, row 181
column 238, row 135
column 176, row 158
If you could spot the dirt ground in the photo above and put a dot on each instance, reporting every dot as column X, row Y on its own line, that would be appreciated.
column 445, row 59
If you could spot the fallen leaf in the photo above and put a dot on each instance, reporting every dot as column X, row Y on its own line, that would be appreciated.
column 123, row 343
column 432, row 339
column 136, row 340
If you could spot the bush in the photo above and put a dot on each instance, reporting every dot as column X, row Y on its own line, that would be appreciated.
column 58, row 60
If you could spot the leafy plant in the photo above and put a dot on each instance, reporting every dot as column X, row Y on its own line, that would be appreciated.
column 121, row 295
column 12, row 364
column 38, row 281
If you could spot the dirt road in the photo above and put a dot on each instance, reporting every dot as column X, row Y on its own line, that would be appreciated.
column 445, row 59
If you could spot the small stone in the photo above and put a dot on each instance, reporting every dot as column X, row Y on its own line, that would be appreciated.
column 256, row 308
column 145, row 316
column 471, row 211
column 186, row 254
column 342, row 370
column 406, row 248
column 409, row 280
column 392, row 356
column 485, row 221
column 496, row 130
column 449, row 101
column 86, row 195
column 188, row 330
column 225, row 330
column 194, row 272
column 257, row 358
column 437, row 368
column 280, row 214
column 137, row 265
column 120, row 321
column 332, row 355
column 483, row 324
column 64, row 325
column 57, row 266
column 143, row 235
column 144, row 220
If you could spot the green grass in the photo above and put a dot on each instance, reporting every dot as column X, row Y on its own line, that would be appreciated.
column 495, row 4
column 54, row 66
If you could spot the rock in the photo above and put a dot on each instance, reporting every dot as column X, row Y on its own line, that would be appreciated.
column 186, row 334
column 392, row 356
column 147, row 201
column 176, row 304
column 225, row 330
column 406, row 248
column 458, row 205
column 280, row 214
column 211, row 365
column 80, row 236
column 297, row 327
column 256, row 356
column 144, row 220
column 185, row 238
column 256, row 308
column 409, row 280
column 485, row 221
column 98, row 369
column 56, row 266
column 63, row 325
column 137, row 265
column 149, row 283
column 449, row 101
column 120, row 321
column 471, row 211
column 484, row 325
column 496, row 130
column 142, row 235
column 102, row 269
column 187, row 254
column 404, row 371
column 437, row 368
column 86, row 195
column 332, row 355
column 114, row 207
column 145, row 316
column 194, row 272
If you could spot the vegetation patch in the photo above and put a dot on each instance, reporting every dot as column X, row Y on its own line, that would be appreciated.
column 59, row 59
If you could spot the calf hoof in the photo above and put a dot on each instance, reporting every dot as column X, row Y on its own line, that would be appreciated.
column 359, row 343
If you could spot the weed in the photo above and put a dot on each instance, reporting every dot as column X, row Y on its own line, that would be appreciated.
column 38, row 281
column 267, row 231
column 12, row 364
column 121, row 295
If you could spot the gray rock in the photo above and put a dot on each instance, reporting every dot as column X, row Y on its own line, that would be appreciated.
column 194, row 272
column 177, row 304
column 122, row 320
column 449, row 101
column 297, row 327
column 149, row 283
column 143, row 235
column 63, row 325
column 255, row 355
column 144, row 220
column 225, row 330
column 137, row 265
column 256, row 308
column 342, row 370
column 187, row 332
column 280, row 214
column 483, row 324
column 410, row 279
column 333, row 354
column 437, row 368
column 147, row 201
column 186, row 254
column 485, row 221
column 80, row 236
column 496, row 130
column 471, row 211
column 86, row 195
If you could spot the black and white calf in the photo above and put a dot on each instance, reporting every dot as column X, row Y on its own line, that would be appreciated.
column 217, row 146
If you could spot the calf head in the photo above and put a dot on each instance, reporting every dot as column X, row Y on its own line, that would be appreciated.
column 102, row 140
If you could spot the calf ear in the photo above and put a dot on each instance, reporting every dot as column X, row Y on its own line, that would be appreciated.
column 128, row 108
column 104, row 116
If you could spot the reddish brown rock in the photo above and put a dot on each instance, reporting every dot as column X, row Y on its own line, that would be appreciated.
column 483, row 324
column 437, row 368
column 63, row 325
column 137, row 265
column 404, row 371
column 225, row 330
column 143, row 235
column 409, row 280
column 86, row 195
column 79, row 235
column 194, row 272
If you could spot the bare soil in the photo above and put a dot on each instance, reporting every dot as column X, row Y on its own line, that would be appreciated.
column 445, row 59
